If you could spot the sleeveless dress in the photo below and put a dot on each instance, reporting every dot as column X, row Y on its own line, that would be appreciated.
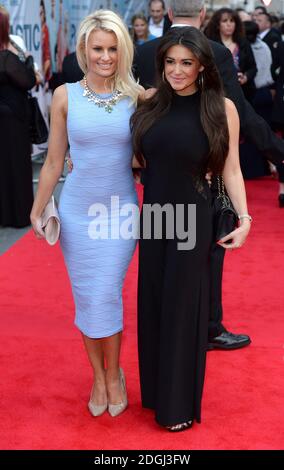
column 101, row 184
column 173, row 285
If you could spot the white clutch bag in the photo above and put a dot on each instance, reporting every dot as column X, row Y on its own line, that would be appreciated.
column 50, row 222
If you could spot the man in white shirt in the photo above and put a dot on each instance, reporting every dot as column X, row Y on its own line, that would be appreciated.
column 271, row 37
column 264, row 24
column 157, row 21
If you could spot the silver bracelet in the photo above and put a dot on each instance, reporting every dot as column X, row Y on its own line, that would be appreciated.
column 245, row 216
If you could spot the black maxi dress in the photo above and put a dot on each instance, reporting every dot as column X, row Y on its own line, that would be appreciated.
column 16, row 186
column 173, row 285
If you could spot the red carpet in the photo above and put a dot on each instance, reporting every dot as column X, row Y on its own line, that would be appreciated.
column 46, row 379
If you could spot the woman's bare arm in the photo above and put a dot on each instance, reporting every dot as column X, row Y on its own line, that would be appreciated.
column 233, row 179
column 57, row 147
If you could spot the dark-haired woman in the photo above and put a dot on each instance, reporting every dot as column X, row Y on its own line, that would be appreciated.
column 16, row 78
column 185, row 128
column 227, row 28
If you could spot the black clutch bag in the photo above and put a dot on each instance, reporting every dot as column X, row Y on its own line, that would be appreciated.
column 38, row 127
column 225, row 216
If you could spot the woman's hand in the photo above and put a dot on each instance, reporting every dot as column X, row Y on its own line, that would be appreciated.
column 208, row 178
column 39, row 80
column 238, row 236
column 150, row 92
column 146, row 94
column 242, row 78
column 37, row 228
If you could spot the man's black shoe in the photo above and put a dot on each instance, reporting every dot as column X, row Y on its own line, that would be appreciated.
column 227, row 340
column 281, row 200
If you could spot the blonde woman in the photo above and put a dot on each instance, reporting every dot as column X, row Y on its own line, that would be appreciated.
column 93, row 116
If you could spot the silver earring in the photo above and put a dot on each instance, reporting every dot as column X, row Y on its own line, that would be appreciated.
column 163, row 76
column 201, row 81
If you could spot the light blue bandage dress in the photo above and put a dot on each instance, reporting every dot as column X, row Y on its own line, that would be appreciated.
column 98, row 190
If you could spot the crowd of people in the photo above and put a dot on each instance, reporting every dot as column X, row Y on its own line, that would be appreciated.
column 175, row 103
column 256, row 42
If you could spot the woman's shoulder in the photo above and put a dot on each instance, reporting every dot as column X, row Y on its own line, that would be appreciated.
column 60, row 97
column 66, row 88
column 231, row 109
column 12, row 61
column 61, row 90
column 229, row 103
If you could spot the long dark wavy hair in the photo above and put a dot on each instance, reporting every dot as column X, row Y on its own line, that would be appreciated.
column 212, row 30
column 212, row 106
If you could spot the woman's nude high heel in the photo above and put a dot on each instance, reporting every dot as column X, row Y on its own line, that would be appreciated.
column 115, row 410
column 96, row 410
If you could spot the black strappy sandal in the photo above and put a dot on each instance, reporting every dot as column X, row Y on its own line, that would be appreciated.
column 181, row 426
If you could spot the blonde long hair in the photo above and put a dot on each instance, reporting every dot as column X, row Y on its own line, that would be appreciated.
column 109, row 21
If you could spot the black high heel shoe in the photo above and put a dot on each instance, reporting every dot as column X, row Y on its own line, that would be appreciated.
column 181, row 426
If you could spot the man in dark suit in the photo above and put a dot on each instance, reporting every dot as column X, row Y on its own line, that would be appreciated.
column 271, row 37
column 158, row 22
column 254, row 128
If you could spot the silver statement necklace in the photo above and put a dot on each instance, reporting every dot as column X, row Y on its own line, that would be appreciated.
column 107, row 103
